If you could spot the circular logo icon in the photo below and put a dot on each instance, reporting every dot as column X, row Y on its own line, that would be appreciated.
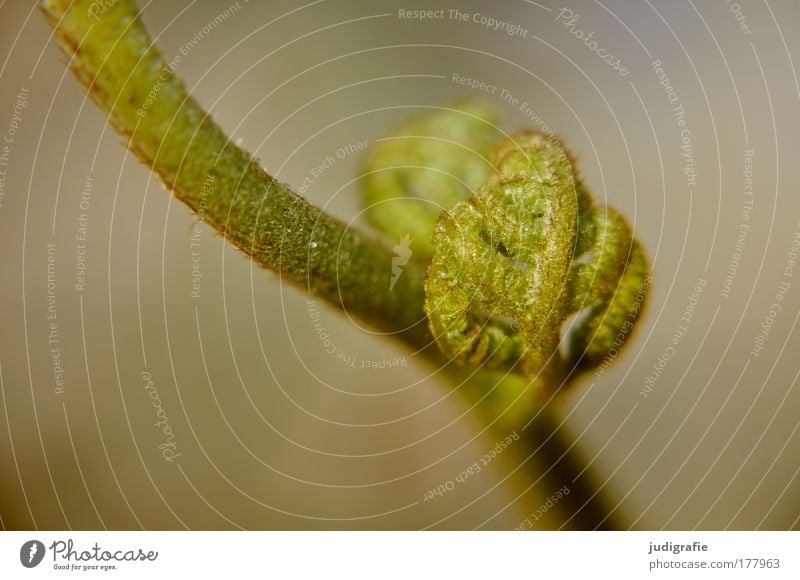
column 31, row 553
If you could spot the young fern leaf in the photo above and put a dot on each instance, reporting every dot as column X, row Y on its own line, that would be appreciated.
column 433, row 161
column 527, row 252
column 112, row 54
column 508, row 267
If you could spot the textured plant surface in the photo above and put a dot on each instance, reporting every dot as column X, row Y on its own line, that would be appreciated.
column 524, row 254
column 434, row 160
column 508, row 268
column 114, row 57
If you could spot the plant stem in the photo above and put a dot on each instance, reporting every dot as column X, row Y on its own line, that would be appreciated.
column 169, row 131
column 114, row 57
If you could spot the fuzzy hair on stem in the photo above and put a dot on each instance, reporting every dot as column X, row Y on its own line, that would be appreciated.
column 113, row 56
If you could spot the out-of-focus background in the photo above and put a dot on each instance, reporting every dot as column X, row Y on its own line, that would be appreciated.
column 684, row 115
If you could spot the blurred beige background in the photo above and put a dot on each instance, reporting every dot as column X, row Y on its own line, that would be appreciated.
column 690, row 427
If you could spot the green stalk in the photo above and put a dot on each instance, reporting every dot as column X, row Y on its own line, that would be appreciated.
column 114, row 57
column 125, row 74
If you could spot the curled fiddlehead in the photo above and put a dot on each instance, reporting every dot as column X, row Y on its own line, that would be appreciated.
column 526, row 255
column 526, row 273
column 434, row 160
